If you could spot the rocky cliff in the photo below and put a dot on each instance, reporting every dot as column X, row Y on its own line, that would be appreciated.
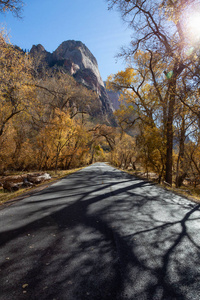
column 114, row 98
column 76, row 59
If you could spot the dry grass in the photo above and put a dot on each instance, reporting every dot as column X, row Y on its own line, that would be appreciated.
column 8, row 196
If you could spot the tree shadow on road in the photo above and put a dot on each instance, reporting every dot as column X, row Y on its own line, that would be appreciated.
column 115, row 239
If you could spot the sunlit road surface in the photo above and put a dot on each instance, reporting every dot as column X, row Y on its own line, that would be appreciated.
column 100, row 234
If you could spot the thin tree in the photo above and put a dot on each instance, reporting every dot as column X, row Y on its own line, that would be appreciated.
column 15, row 6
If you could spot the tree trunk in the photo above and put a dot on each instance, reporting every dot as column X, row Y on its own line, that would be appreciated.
column 56, row 164
column 180, row 164
column 169, row 133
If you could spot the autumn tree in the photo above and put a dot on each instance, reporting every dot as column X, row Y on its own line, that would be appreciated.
column 145, row 110
column 15, row 90
column 159, row 29
column 41, row 119
column 58, row 134
column 124, row 154
column 59, row 90
column 102, row 136
column 193, row 162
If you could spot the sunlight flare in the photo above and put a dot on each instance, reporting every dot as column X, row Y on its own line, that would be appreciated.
column 193, row 25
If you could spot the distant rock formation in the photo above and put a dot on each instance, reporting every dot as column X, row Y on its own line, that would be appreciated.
column 114, row 98
column 76, row 59
column 39, row 52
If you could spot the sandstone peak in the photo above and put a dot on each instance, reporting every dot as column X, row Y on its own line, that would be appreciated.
column 70, row 46
column 80, row 55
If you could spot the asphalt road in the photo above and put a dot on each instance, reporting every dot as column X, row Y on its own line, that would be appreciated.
column 100, row 234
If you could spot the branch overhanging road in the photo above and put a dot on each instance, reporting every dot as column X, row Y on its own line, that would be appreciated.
column 100, row 234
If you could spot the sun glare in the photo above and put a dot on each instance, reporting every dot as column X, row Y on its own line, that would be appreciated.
column 194, row 26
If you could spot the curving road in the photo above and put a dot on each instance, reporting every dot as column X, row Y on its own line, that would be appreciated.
column 100, row 234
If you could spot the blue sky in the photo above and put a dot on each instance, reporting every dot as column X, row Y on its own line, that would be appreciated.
column 50, row 22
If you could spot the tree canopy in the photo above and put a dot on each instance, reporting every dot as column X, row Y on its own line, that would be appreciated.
column 169, row 64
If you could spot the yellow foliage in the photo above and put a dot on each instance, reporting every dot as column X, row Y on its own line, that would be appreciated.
column 152, row 149
column 16, row 92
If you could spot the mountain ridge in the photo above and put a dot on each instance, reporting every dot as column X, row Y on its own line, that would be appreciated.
column 74, row 58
